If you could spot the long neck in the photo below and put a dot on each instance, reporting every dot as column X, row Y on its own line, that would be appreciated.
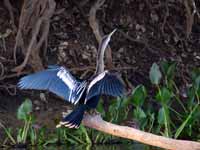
column 101, row 50
column 100, row 59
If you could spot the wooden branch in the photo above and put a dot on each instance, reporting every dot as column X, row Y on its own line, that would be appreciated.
column 96, row 122
column 94, row 24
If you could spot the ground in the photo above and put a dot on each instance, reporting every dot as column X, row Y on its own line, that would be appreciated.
column 147, row 32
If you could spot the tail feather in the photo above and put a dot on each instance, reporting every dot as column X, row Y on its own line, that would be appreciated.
column 73, row 120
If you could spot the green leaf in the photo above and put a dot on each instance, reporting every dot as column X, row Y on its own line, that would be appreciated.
column 100, row 108
column 155, row 74
column 53, row 140
column 197, row 83
column 161, row 116
column 19, row 136
column 125, row 101
column 139, row 95
column 33, row 136
column 85, row 132
column 171, row 71
column 168, row 69
column 164, row 66
column 195, row 73
column 8, row 133
column 185, row 123
column 139, row 113
column 163, row 119
column 164, row 95
column 24, row 110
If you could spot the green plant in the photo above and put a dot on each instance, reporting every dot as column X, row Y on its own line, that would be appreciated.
column 24, row 114
column 190, row 120
column 163, row 96
column 117, row 110
column 172, row 116
column 160, row 110
column 9, row 134
column 139, row 95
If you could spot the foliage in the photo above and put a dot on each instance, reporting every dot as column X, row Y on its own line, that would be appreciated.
column 155, row 74
column 176, row 116
column 162, row 109
column 24, row 114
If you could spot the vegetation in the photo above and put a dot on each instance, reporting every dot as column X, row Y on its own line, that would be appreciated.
column 177, row 112
column 162, row 108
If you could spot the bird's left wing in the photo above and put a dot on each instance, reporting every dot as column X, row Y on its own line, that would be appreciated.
column 105, row 83
column 55, row 79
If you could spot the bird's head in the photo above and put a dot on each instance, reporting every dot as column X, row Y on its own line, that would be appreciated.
column 106, row 40
column 102, row 46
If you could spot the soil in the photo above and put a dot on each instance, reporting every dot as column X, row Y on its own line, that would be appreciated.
column 148, row 31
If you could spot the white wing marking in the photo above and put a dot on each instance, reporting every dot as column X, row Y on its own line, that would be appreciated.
column 81, row 87
column 58, row 125
column 72, row 126
column 96, row 79
column 70, row 95
column 66, row 78
column 80, row 94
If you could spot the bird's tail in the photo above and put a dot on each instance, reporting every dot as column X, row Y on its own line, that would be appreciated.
column 73, row 120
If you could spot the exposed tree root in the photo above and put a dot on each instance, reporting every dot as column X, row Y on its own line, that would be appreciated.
column 33, row 32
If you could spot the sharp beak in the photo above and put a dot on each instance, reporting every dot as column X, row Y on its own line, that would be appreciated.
column 112, row 32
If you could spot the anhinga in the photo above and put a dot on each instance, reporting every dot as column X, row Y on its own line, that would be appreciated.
column 85, row 93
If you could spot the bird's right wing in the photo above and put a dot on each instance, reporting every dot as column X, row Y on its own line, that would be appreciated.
column 105, row 83
column 55, row 79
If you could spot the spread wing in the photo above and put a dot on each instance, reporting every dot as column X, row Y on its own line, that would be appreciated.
column 105, row 83
column 55, row 79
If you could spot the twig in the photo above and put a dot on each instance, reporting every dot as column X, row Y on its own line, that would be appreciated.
column 10, row 10
column 128, row 83
column 165, row 17
column 195, row 11
column 3, row 36
column 128, row 37
column 96, row 122
column 93, row 68
column 2, row 69
column 8, row 89
column 142, row 41
column 174, row 32
column 13, row 75
column 4, row 44
column 189, row 18
column 83, row 68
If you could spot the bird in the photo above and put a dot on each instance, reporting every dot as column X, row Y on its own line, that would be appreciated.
column 84, row 94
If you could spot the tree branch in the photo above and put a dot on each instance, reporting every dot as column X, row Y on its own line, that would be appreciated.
column 96, row 122
column 94, row 24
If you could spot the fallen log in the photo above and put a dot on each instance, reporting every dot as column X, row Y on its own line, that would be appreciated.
column 96, row 122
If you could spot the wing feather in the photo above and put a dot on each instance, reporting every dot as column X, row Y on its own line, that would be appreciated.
column 105, row 83
column 57, row 80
